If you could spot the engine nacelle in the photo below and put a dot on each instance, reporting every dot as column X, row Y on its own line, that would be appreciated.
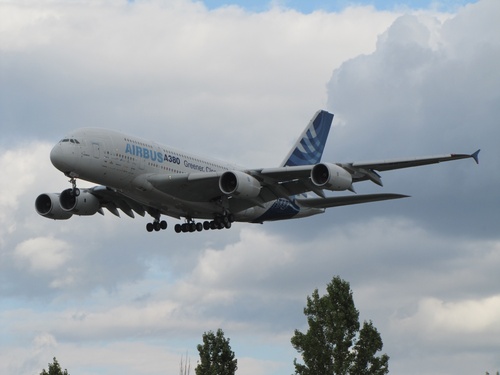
column 84, row 204
column 331, row 177
column 48, row 206
column 239, row 184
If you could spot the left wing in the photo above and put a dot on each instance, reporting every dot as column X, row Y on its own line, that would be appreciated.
column 258, row 186
column 366, row 171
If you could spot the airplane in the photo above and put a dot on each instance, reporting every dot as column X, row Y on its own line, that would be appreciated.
column 140, row 176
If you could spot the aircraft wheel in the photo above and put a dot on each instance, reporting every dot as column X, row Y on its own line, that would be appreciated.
column 213, row 225
column 199, row 227
column 156, row 226
column 178, row 228
column 206, row 225
column 184, row 228
column 228, row 225
column 149, row 227
column 163, row 224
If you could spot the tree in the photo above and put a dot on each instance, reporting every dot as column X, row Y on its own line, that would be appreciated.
column 333, row 344
column 54, row 369
column 216, row 356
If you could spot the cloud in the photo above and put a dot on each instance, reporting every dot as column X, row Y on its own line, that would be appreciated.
column 437, row 318
column 177, row 66
column 104, row 296
column 427, row 89
column 42, row 254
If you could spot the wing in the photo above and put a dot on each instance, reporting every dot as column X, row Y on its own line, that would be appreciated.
column 281, row 182
column 362, row 171
column 113, row 200
column 346, row 200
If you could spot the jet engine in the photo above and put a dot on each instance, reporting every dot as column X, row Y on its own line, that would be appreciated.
column 83, row 204
column 331, row 177
column 48, row 206
column 239, row 184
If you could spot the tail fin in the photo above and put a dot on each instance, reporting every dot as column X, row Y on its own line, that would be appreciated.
column 309, row 147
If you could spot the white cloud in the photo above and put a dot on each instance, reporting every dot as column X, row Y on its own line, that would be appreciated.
column 19, row 168
column 106, row 297
column 42, row 254
column 436, row 318
column 179, row 66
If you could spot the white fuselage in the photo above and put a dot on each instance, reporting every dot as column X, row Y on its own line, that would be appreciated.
column 120, row 162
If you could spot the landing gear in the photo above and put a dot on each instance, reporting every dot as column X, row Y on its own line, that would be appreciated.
column 156, row 226
column 220, row 222
column 190, row 226
column 74, row 190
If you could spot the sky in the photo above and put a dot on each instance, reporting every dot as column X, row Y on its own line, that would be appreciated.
column 239, row 81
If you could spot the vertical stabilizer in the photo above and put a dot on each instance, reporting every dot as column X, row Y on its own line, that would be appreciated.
column 309, row 147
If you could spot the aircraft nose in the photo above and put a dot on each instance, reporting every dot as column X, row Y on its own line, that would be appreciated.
column 59, row 158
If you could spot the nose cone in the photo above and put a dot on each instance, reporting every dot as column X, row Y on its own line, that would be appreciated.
column 59, row 158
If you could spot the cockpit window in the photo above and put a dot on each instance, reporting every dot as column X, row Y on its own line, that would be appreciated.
column 72, row 140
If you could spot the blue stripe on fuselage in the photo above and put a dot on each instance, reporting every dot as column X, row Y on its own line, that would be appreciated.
column 280, row 210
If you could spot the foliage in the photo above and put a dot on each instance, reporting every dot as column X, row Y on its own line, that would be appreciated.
column 333, row 344
column 216, row 356
column 54, row 369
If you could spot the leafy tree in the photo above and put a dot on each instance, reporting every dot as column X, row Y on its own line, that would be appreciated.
column 333, row 344
column 216, row 356
column 54, row 369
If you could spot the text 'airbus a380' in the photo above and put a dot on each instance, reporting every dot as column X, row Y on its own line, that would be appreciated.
column 136, row 175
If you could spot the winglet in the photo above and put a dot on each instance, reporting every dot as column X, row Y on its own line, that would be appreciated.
column 475, row 156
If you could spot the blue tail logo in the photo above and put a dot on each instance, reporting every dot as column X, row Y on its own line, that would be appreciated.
column 309, row 147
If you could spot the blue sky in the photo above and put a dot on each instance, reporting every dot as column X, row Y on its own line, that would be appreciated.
column 336, row 5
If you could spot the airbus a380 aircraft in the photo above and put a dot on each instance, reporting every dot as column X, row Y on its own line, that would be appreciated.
column 136, row 175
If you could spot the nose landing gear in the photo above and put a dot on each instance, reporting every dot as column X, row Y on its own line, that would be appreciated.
column 74, row 190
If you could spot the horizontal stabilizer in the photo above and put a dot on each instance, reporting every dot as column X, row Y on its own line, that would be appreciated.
column 346, row 200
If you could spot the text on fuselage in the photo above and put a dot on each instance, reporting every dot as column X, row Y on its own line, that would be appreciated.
column 158, row 157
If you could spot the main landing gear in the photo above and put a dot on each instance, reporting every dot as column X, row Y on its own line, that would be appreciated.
column 156, row 226
column 220, row 222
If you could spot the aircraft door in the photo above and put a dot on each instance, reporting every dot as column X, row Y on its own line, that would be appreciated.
column 96, row 150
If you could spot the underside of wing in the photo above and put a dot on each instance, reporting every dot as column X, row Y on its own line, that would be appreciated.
column 346, row 200
column 194, row 187
column 113, row 200
column 271, row 184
